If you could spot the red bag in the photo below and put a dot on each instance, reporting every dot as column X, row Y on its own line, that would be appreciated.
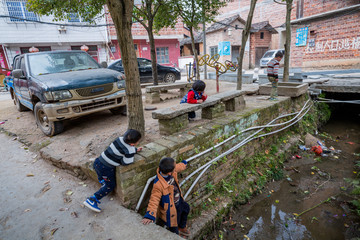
column 317, row 150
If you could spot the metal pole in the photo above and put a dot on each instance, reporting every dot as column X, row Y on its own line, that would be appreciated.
column 217, row 81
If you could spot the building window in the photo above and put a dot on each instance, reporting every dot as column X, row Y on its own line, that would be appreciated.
column 213, row 51
column 261, row 35
column 41, row 49
column 299, row 8
column 162, row 54
column 18, row 9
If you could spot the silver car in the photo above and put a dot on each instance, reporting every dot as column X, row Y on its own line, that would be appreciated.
column 270, row 55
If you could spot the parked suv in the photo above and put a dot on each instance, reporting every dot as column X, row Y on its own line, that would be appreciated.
column 270, row 55
column 62, row 85
column 165, row 73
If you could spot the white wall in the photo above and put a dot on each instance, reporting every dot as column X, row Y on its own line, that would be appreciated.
column 185, row 60
column 14, row 35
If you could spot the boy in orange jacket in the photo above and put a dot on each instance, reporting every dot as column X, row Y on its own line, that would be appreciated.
column 167, row 198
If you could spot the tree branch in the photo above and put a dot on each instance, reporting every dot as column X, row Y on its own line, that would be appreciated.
column 276, row 1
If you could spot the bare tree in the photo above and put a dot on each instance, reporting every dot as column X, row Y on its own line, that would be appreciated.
column 154, row 15
column 244, row 38
column 194, row 13
column 287, row 45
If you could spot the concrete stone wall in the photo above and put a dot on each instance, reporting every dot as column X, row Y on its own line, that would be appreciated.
column 132, row 179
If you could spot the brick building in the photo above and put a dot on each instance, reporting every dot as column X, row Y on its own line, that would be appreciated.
column 166, row 42
column 220, row 31
column 267, row 31
column 326, row 34
column 260, row 41
column 230, row 30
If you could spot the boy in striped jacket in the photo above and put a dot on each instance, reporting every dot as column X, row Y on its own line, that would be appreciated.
column 273, row 74
column 120, row 152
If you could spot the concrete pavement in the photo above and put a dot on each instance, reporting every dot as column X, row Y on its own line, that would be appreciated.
column 39, row 201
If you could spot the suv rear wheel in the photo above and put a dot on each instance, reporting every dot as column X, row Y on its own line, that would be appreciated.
column 49, row 128
column 19, row 106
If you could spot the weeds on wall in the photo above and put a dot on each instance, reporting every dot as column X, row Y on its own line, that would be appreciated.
column 355, row 191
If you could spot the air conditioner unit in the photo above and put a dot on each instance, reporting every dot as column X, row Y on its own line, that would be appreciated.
column 62, row 29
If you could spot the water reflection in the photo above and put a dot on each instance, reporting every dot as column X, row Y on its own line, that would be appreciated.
column 279, row 225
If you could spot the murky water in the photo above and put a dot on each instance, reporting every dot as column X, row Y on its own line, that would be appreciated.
column 316, row 186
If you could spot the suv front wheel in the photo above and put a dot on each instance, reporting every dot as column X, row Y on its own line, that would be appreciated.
column 49, row 128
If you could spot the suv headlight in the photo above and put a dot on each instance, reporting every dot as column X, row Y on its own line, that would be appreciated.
column 120, row 84
column 58, row 95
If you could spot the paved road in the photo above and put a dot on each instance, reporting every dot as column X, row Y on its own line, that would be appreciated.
column 47, row 205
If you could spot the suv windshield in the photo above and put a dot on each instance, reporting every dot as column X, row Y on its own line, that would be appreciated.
column 53, row 62
column 268, row 54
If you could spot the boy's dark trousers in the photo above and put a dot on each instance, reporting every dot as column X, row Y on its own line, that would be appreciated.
column 191, row 115
column 182, row 211
column 106, row 176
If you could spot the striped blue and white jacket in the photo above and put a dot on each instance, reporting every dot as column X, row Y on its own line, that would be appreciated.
column 118, row 153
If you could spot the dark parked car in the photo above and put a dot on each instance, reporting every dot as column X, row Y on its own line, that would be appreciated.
column 165, row 73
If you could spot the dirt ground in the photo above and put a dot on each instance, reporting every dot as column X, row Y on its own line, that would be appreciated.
column 86, row 137
column 40, row 201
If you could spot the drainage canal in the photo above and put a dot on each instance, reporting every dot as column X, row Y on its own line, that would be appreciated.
column 318, row 196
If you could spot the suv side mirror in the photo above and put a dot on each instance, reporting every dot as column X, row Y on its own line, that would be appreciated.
column 18, row 73
column 104, row 64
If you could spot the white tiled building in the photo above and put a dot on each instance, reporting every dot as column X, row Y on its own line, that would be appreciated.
column 18, row 35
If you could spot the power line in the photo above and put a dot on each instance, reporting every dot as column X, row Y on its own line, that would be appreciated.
column 58, row 24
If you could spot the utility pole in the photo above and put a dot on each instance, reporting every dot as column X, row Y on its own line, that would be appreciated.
column 204, row 42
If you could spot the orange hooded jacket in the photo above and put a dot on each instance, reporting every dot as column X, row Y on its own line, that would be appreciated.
column 162, row 198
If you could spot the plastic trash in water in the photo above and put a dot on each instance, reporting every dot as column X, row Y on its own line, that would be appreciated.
column 298, row 156
column 303, row 147
column 320, row 143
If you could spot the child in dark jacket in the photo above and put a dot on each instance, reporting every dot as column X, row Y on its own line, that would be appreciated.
column 195, row 95
column 120, row 152
column 167, row 198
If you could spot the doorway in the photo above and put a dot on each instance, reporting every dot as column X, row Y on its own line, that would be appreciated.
column 259, row 52
column 235, row 53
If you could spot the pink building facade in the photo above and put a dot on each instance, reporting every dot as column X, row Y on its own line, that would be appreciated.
column 167, row 43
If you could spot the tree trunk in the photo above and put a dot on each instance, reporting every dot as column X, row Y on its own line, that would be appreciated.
column 244, row 38
column 287, row 41
column 153, row 55
column 121, row 13
column 195, row 53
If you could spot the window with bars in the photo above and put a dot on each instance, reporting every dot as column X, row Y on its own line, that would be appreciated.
column 213, row 51
column 18, row 12
column 162, row 54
